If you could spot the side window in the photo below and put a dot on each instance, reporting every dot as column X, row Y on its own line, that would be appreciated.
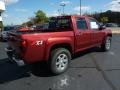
column 94, row 24
column 81, row 23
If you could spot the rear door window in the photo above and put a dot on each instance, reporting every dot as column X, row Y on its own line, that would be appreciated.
column 81, row 24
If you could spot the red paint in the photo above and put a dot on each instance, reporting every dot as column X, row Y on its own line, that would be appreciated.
column 24, row 29
column 37, row 46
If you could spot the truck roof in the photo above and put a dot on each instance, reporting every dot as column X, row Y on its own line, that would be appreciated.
column 69, row 16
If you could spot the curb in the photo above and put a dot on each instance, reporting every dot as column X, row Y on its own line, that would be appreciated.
column 116, row 31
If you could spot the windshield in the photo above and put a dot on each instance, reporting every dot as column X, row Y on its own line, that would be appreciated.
column 60, row 23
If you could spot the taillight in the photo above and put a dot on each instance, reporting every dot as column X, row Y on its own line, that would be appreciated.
column 24, row 45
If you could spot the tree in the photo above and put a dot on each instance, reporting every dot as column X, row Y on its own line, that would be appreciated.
column 29, row 23
column 107, row 17
column 40, row 17
column 104, row 19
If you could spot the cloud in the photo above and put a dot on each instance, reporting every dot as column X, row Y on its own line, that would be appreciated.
column 83, row 8
column 9, row 2
column 21, row 10
column 113, row 5
column 65, row 2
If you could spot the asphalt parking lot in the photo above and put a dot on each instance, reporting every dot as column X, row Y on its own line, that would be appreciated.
column 89, row 70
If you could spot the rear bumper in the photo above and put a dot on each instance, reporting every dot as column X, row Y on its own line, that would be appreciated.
column 13, row 57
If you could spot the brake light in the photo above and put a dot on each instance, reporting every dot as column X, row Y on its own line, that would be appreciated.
column 24, row 43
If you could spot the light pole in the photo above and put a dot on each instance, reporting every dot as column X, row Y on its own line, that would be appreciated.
column 80, row 7
column 59, row 11
column 63, row 5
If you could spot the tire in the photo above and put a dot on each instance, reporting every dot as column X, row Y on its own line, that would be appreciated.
column 59, row 60
column 1, row 38
column 107, row 45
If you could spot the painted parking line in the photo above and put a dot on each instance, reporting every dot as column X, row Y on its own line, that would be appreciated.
column 111, row 53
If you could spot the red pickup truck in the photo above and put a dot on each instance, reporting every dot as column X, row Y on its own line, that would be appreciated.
column 65, row 36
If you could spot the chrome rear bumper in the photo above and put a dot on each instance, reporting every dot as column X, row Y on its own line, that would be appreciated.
column 12, row 57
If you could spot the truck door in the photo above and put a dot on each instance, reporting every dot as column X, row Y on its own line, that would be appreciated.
column 83, row 35
column 97, row 35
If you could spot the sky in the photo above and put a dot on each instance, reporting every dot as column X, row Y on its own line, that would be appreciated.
column 19, row 11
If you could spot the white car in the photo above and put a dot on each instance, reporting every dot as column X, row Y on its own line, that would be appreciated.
column 4, row 35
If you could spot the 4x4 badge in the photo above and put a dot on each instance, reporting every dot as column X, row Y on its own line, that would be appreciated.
column 39, row 42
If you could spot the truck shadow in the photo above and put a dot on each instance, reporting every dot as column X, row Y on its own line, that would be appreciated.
column 10, row 71
column 41, row 69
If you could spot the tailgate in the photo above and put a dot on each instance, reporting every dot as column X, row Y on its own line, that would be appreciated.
column 15, row 42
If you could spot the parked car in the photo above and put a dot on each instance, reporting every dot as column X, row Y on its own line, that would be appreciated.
column 111, row 25
column 41, row 27
column 66, row 36
column 4, row 32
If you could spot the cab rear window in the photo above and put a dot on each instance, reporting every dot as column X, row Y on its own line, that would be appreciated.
column 64, row 23
column 81, row 23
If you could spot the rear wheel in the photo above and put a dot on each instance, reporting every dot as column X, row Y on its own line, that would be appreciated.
column 60, row 59
column 107, row 45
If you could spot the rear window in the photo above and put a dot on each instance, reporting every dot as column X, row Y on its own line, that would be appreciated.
column 64, row 23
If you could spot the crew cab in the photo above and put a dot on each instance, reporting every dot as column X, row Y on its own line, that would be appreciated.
column 65, row 36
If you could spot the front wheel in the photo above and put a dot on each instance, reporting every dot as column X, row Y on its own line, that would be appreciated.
column 107, row 45
column 60, row 59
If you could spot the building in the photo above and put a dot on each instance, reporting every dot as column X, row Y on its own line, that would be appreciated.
column 2, row 9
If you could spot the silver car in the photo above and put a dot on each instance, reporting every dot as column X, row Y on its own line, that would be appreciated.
column 4, row 35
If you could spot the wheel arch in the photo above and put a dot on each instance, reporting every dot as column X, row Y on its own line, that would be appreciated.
column 60, row 45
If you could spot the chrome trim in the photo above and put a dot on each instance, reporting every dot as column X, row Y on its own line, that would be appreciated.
column 18, row 61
